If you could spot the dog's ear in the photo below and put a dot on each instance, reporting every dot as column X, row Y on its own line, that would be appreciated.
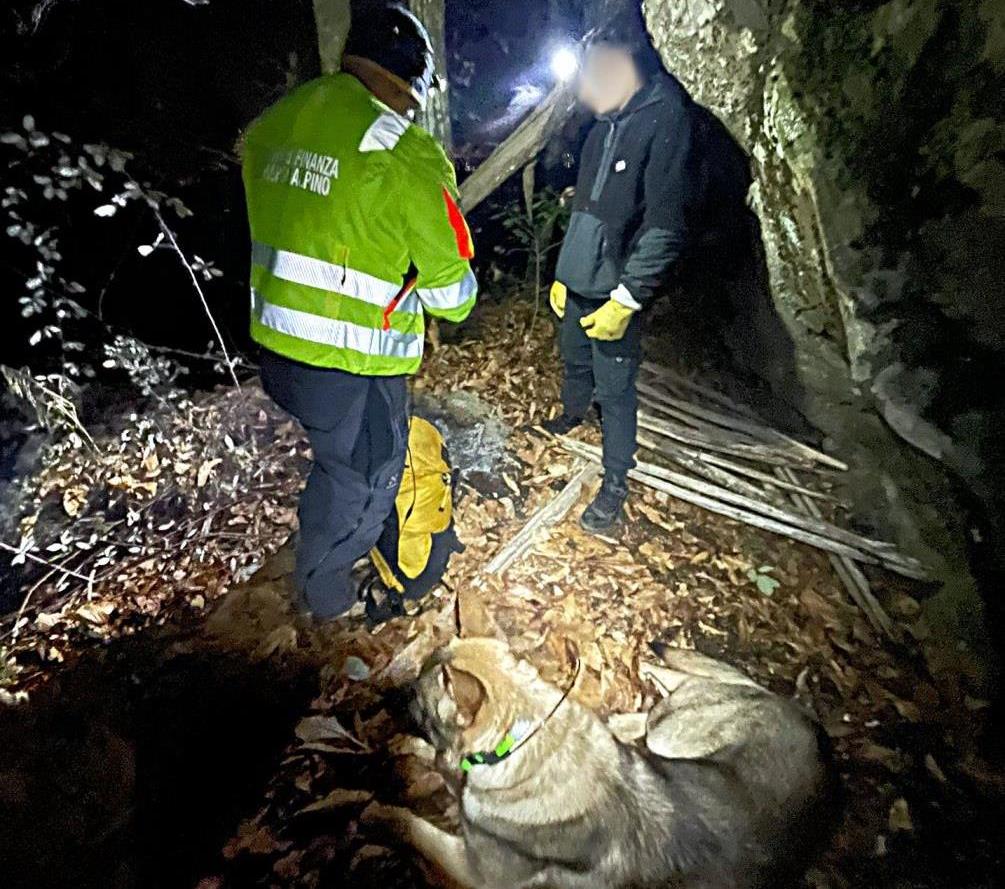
column 467, row 693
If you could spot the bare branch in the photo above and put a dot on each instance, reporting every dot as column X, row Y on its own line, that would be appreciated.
column 169, row 234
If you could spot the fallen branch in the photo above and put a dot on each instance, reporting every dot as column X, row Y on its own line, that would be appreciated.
column 667, row 404
column 746, row 424
column 765, row 517
column 169, row 234
column 549, row 515
column 757, row 453
column 691, row 460
column 675, row 379
column 519, row 149
column 15, row 631
column 750, row 472
column 50, row 407
column 40, row 561
column 816, row 525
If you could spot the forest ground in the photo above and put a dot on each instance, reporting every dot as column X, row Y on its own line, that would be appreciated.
column 170, row 721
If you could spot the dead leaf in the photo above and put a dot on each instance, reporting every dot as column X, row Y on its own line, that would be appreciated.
column 74, row 500
column 337, row 799
column 95, row 613
column 425, row 786
column 281, row 640
column 933, row 769
column 356, row 669
column 893, row 760
column 288, row 868
column 907, row 709
column 368, row 852
column 324, row 728
column 254, row 839
column 151, row 463
column 900, row 817
column 409, row 745
column 46, row 622
column 206, row 470
column 434, row 628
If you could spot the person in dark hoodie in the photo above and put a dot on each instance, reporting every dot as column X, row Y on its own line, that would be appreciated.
column 637, row 184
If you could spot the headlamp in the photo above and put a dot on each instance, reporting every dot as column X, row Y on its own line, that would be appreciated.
column 565, row 63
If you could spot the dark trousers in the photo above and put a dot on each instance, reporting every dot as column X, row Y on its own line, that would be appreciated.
column 604, row 372
column 358, row 429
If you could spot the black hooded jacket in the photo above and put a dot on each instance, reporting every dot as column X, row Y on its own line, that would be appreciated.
column 636, row 196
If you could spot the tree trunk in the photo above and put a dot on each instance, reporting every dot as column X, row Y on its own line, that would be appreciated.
column 332, row 17
column 436, row 117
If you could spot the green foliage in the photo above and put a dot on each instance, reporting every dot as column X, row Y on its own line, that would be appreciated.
column 762, row 579
column 535, row 232
column 535, row 228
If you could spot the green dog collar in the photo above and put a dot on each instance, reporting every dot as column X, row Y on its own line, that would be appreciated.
column 489, row 758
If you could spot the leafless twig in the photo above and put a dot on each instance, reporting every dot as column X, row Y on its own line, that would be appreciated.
column 169, row 234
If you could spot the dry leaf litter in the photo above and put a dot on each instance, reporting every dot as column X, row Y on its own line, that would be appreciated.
column 179, row 510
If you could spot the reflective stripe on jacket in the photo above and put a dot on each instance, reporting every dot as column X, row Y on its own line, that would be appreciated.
column 345, row 197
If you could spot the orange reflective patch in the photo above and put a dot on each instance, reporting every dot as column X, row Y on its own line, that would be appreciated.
column 465, row 245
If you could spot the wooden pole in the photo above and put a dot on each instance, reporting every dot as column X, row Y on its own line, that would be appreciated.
column 815, row 524
column 522, row 146
column 691, row 461
column 758, row 453
column 748, row 471
column 746, row 424
column 332, row 18
column 549, row 515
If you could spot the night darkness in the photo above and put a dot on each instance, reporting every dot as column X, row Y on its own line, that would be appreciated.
column 175, row 84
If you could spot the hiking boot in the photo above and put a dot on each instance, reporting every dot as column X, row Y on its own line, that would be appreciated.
column 604, row 512
column 562, row 424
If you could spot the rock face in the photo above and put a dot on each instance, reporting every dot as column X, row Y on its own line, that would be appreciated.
column 877, row 135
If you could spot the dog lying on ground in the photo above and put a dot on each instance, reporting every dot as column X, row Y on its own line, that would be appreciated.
column 723, row 794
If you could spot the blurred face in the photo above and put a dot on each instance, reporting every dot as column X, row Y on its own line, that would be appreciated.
column 608, row 80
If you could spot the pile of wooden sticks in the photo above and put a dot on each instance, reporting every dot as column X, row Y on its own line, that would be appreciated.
column 717, row 455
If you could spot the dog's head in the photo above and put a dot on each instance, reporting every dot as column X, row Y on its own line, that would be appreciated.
column 471, row 693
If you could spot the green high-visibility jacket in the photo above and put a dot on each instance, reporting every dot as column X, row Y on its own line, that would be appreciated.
column 345, row 197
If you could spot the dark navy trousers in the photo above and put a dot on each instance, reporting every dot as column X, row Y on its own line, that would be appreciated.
column 358, row 429
column 605, row 372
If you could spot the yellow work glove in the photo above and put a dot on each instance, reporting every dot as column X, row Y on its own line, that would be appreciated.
column 559, row 292
column 609, row 322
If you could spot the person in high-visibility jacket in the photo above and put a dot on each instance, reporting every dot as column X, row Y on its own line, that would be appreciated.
column 356, row 235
